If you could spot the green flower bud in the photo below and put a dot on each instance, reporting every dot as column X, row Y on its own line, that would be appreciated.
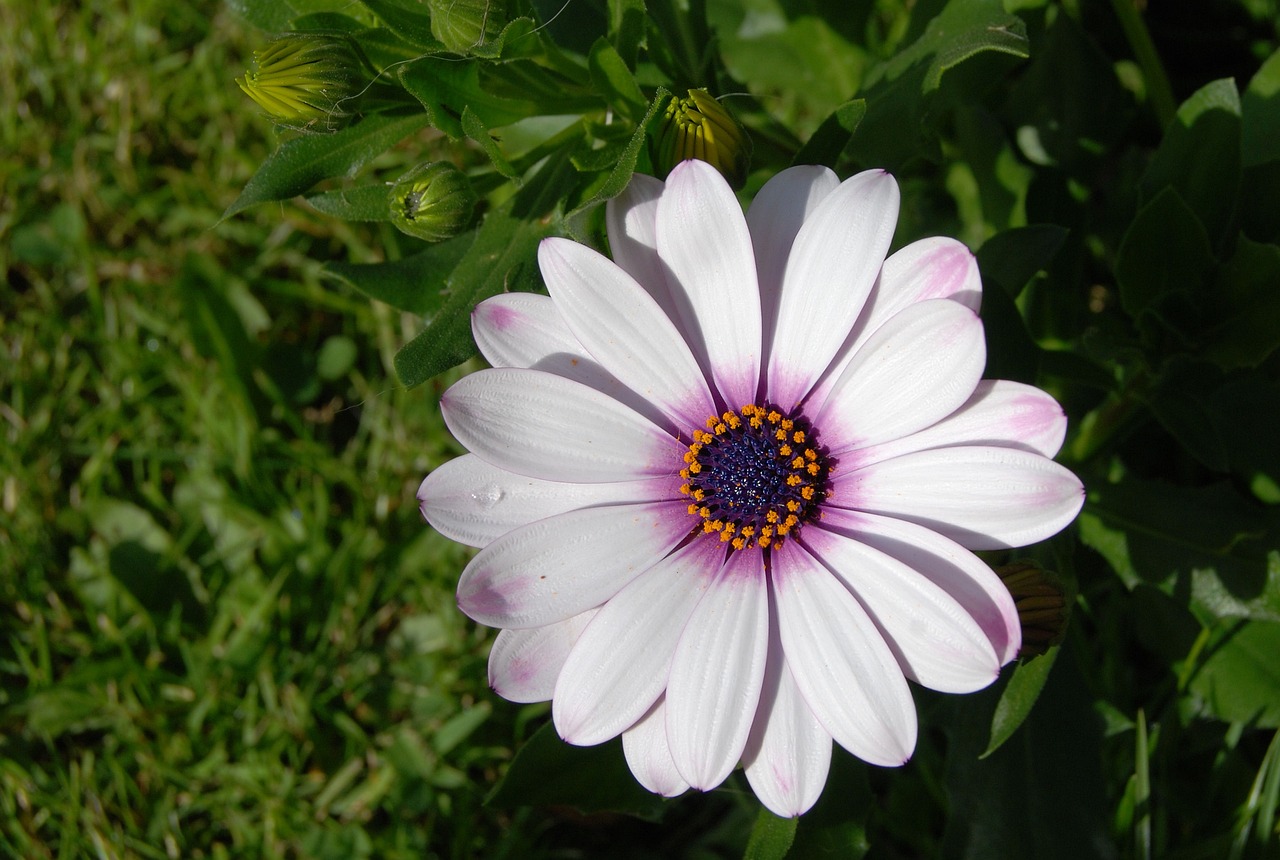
column 306, row 79
column 434, row 201
column 1043, row 602
column 698, row 126
column 463, row 24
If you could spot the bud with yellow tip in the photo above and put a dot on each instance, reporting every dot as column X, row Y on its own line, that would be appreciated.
column 306, row 80
column 698, row 126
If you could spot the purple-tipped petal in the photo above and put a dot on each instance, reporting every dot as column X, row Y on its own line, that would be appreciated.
column 982, row 498
column 524, row 664
column 937, row 643
column 703, row 239
column 833, row 264
column 841, row 664
column 919, row 368
column 475, row 503
column 619, row 666
column 530, row 422
column 717, row 672
column 555, row 568
column 649, row 755
column 623, row 328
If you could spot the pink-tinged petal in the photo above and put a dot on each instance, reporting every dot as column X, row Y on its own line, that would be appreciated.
column 982, row 498
column 624, row 329
column 631, row 221
column 841, row 664
column 619, row 666
column 789, row 753
column 951, row 567
column 717, row 673
column 704, row 241
column 833, row 265
column 919, row 368
column 526, row 330
column 937, row 268
column 555, row 568
column 775, row 217
column 936, row 642
column 524, row 664
column 649, row 755
column 475, row 503
column 1000, row 414
column 541, row 425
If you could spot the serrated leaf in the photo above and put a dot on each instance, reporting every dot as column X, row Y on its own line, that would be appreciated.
column 549, row 772
column 1240, row 679
column 415, row 284
column 365, row 203
column 771, row 837
column 1018, row 698
column 298, row 164
column 829, row 142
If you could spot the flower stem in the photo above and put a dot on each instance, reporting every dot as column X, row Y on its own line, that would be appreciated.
column 1144, row 50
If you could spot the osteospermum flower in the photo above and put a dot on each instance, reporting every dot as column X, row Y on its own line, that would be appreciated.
column 727, row 486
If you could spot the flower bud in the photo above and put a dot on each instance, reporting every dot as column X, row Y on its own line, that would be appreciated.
column 464, row 24
column 698, row 126
column 434, row 201
column 1043, row 602
column 306, row 79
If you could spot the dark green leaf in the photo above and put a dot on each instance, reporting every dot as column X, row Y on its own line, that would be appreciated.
column 1240, row 679
column 1260, row 115
column 1244, row 307
column 1018, row 697
column 829, row 142
column 365, row 203
column 835, row 829
column 299, row 164
column 626, row 28
column 415, row 284
column 614, row 80
column 475, row 129
column 447, row 86
column 1165, row 261
column 410, row 21
column 549, row 772
column 1200, row 157
column 1012, row 258
column 771, row 837
column 1011, row 353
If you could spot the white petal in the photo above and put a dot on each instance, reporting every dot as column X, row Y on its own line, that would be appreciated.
column 473, row 502
column 948, row 565
column 541, row 425
column 625, row 330
column 917, row 369
column 524, row 664
column 833, row 264
column 555, row 568
column 937, row 268
column 775, row 217
column 649, row 755
column 631, row 222
column 1000, row 413
column 982, row 498
column 789, row 753
column 526, row 330
column 717, row 673
column 619, row 666
column 845, row 671
column 936, row 642
column 704, row 241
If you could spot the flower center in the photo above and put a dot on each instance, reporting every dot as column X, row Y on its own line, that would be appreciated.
column 755, row 476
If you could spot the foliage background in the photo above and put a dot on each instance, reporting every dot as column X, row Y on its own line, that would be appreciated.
column 225, row 631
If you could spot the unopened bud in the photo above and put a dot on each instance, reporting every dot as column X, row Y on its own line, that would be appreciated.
column 463, row 25
column 306, row 80
column 434, row 201
column 1043, row 602
column 698, row 126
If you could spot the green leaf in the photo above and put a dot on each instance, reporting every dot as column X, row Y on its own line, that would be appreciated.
column 1260, row 115
column 1012, row 258
column 1209, row 545
column 1244, row 308
column 828, row 143
column 300, row 163
column 835, row 829
column 1240, row 679
column 502, row 259
column 626, row 28
column 365, row 203
column 1200, row 157
column 1018, row 697
column 1011, row 353
column 549, row 772
column 409, row 21
column 610, row 75
column 447, row 86
column 475, row 129
column 415, row 284
column 771, row 837
column 1165, row 262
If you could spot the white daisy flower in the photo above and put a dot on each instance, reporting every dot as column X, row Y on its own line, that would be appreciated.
column 726, row 486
